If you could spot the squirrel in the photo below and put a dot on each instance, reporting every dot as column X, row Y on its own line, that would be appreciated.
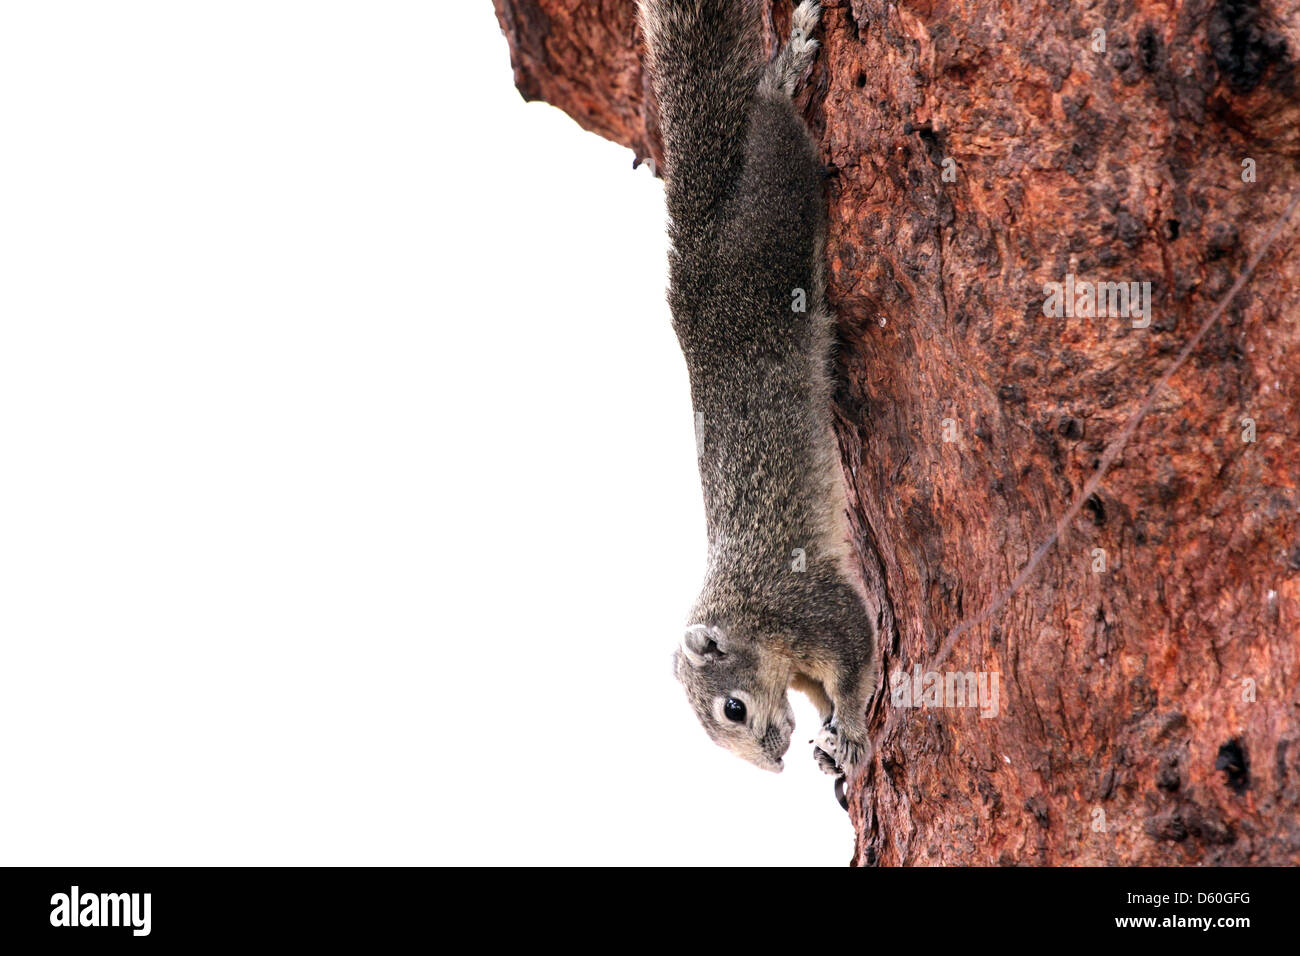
column 782, row 606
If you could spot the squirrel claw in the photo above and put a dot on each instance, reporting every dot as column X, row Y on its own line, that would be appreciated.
column 840, row 795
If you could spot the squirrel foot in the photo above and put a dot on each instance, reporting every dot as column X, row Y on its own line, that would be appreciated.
column 800, row 50
column 806, row 17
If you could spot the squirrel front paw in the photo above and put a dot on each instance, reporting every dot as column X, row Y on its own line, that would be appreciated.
column 836, row 752
column 825, row 761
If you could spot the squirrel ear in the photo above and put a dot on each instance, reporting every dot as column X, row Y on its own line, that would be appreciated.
column 701, row 644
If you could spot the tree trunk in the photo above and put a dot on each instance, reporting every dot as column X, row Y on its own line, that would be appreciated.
column 1149, row 669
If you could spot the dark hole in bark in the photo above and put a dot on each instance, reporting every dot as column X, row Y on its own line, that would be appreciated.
column 1232, row 761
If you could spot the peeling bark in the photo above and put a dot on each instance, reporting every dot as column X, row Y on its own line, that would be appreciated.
column 1148, row 713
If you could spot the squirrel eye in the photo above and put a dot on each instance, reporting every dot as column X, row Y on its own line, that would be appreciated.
column 734, row 710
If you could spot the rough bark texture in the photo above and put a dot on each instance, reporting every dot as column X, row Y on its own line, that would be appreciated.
column 1150, row 713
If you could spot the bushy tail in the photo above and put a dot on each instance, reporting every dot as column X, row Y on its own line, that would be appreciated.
column 706, row 59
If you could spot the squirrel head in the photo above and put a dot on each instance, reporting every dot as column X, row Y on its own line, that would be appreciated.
column 737, row 694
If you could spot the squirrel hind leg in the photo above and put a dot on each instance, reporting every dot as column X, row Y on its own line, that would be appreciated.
column 784, row 73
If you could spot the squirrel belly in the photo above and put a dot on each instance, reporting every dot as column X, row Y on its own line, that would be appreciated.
column 782, row 605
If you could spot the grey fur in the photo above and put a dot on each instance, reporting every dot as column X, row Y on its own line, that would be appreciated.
column 747, row 224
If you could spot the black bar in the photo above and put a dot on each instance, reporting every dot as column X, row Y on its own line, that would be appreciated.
column 489, row 907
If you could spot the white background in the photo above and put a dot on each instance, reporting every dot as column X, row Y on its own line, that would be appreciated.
column 348, row 503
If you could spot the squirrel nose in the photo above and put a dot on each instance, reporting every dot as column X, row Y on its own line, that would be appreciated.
column 774, row 741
